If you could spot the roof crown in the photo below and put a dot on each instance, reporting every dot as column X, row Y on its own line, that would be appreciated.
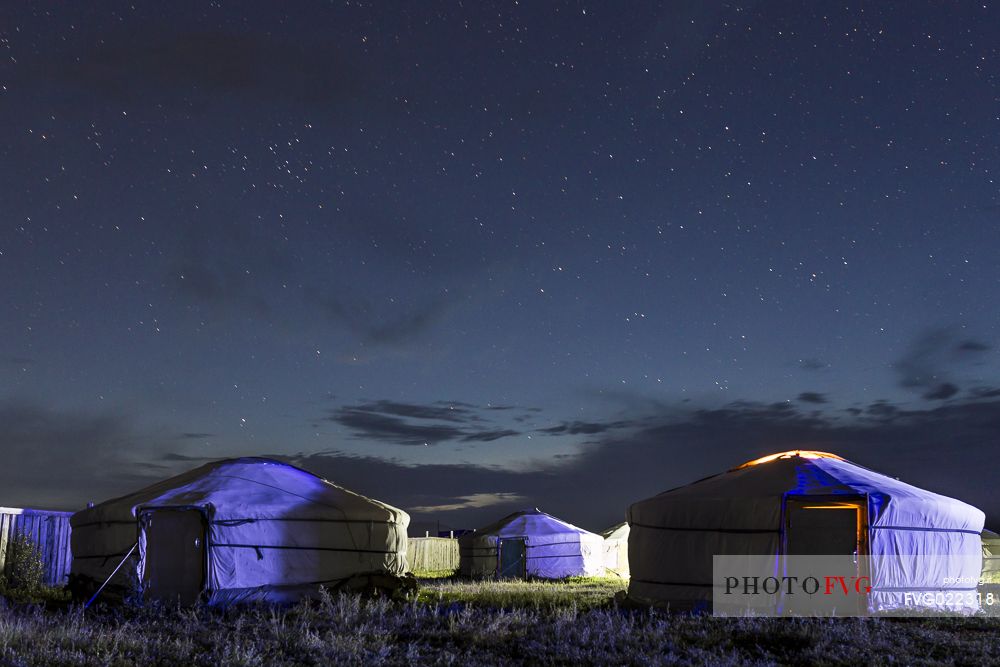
column 792, row 453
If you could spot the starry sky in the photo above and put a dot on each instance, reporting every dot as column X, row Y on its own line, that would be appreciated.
column 467, row 257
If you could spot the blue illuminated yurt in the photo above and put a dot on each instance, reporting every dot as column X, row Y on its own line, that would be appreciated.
column 531, row 543
column 238, row 530
column 918, row 541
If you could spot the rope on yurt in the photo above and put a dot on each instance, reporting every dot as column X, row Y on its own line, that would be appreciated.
column 113, row 573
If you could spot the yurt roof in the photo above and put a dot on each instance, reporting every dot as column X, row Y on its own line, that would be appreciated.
column 808, row 472
column 250, row 487
column 530, row 522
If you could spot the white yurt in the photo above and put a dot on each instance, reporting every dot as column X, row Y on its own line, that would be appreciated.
column 991, row 558
column 767, row 507
column 237, row 530
column 616, row 550
column 531, row 543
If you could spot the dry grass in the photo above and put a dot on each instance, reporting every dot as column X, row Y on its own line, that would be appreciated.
column 577, row 592
column 477, row 623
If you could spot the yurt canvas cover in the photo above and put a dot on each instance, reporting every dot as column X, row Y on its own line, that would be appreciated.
column 531, row 544
column 616, row 550
column 238, row 530
column 746, row 511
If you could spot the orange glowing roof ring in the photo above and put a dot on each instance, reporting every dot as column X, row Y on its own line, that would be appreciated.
column 801, row 453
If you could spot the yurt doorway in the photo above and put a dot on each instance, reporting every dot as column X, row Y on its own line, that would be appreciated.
column 511, row 555
column 818, row 527
column 175, row 554
column 831, row 528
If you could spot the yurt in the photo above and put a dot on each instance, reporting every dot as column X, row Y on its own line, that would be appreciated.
column 237, row 530
column 531, row 543
column 616, row 550
column 773, row 506
column 991, row 558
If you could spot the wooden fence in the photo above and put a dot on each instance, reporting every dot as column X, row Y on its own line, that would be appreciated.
column 432, row 554
column 49, row 530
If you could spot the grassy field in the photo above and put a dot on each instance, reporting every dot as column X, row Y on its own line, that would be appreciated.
column 477, row 623
column 579, row 592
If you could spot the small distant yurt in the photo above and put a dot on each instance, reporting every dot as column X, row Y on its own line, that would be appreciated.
column 775, row 505
column 531, row 543
column 616, row 550
column 237, row 530
column 991, row 558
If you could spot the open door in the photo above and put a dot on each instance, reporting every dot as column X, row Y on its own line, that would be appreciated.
column 175, row 554
column 834, row 528
column 511, row 555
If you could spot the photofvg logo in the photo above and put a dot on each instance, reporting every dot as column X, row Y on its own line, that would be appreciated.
column 847, row 585
column 832, row 584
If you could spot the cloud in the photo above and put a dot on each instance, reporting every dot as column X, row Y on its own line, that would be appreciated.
column 375, row 326
column 476, row 500
column 59, row 459
column 811, row 397
column 174, row 457
column 940, row 449
column 489, row 436
column 237, row 269
column 584, row 428
column 454, row 412
column 228, row 266
column 416, row 424
column 921, row 366
column 430, row 487
column 941, row 392
column 985, row 392
column 932, row 359
column 882, row 410
column 393, row 429
column 812, row 364
column 63, row 459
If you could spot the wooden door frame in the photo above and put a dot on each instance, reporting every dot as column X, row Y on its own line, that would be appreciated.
column 142, row 510
column 858, row 502
column 523, row 574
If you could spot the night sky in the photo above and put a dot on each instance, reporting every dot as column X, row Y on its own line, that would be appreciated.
column 471, row 257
